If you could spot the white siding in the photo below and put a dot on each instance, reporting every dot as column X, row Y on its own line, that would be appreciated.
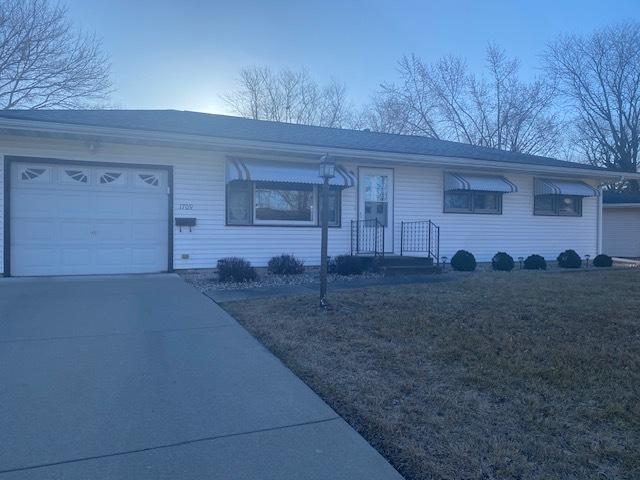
column 419, row 195
column 621, row 229
column 199, row 179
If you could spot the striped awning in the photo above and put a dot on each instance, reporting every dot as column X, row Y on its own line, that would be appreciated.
column 546, row 186
column 262, row 171
column 472, row 181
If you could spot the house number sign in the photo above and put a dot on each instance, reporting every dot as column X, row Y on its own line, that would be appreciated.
column 185, row 206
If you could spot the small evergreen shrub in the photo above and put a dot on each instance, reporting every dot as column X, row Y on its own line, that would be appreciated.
column 234, row 269
column 463, row 261
column 569, row 259
column 535, row 262
column 602, row 260
column 285, row 265
column 346, row 265
column 503, row 262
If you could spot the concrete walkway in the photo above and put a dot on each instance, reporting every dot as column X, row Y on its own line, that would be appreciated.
column 143, row 377
column 221, row 296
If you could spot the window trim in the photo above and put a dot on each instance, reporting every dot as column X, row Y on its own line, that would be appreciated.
column 472, row 210
column 317, row 189
column 556, row 198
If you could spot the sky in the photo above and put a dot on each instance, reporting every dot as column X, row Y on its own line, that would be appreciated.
column 186, row 54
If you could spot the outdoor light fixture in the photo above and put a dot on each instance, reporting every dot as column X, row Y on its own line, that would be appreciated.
column 327, row 171
column 587, row 257
column 444, row 263
column 520, row 259
column 327, row 167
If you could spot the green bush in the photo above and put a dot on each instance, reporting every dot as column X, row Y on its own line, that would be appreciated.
column 602, row 260
column 569, row 259
column 503, row 262
column 234, row 269
column 285, row 265
column 535, row 262
column 463, row 261
column 346, row 265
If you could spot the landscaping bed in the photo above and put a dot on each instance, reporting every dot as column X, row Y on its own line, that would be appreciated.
column 207, row 280
column 505, row 375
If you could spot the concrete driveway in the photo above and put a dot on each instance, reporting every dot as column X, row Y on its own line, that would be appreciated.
column 143, row 377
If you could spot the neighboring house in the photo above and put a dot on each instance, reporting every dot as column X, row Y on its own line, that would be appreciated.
column 100, row 191
column 621, row 224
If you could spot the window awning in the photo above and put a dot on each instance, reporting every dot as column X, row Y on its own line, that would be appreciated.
column 259, row 171
column 485, row 183
column 545, row 186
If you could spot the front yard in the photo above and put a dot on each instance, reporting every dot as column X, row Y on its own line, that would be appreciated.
column 521, row 375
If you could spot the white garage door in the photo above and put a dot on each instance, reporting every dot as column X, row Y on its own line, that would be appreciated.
column 77, row 219
column 621, row 231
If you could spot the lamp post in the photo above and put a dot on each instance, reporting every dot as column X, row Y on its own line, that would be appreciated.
column 327, row 171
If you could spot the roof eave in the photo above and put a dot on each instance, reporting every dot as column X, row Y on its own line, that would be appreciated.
column 213, row 142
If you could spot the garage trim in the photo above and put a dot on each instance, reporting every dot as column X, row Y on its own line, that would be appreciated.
column 10, row 159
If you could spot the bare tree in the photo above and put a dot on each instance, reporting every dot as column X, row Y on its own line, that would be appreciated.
column 289, row 96
column 383, row 114
column 599, row 77
column 45, row 62
column 446, row 101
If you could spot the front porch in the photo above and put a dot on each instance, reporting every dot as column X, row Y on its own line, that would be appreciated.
column 418, row 252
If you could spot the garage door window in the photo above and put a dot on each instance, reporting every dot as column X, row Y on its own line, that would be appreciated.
column 35, row 174
column 74, row 176
column 111, row 178
column 147, row 180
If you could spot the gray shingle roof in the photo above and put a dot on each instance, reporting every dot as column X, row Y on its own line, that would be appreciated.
column 203, row 124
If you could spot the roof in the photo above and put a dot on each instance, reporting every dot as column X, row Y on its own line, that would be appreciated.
column 616, row 198
column 223, row 126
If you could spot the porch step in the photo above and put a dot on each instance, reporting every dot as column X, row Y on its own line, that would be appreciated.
column 395, row 265
column 404, row 261
column 397, row 270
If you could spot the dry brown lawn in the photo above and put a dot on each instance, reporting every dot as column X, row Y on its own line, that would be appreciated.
column 521, row 375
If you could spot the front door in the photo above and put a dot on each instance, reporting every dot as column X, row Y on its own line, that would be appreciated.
column 375, row 201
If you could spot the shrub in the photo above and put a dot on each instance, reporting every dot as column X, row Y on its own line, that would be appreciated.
column 346, row 265
column 602, row 260
column 535, row 262
column 285, row 265
column 234, row 269
column 463, row 261
column 503, row 262
column 569, row 259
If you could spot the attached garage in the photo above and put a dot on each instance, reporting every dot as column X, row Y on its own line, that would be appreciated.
column 621, row 225
column 80, row 218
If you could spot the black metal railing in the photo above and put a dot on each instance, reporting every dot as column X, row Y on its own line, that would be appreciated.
column 422, row 236
column 367, row 237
